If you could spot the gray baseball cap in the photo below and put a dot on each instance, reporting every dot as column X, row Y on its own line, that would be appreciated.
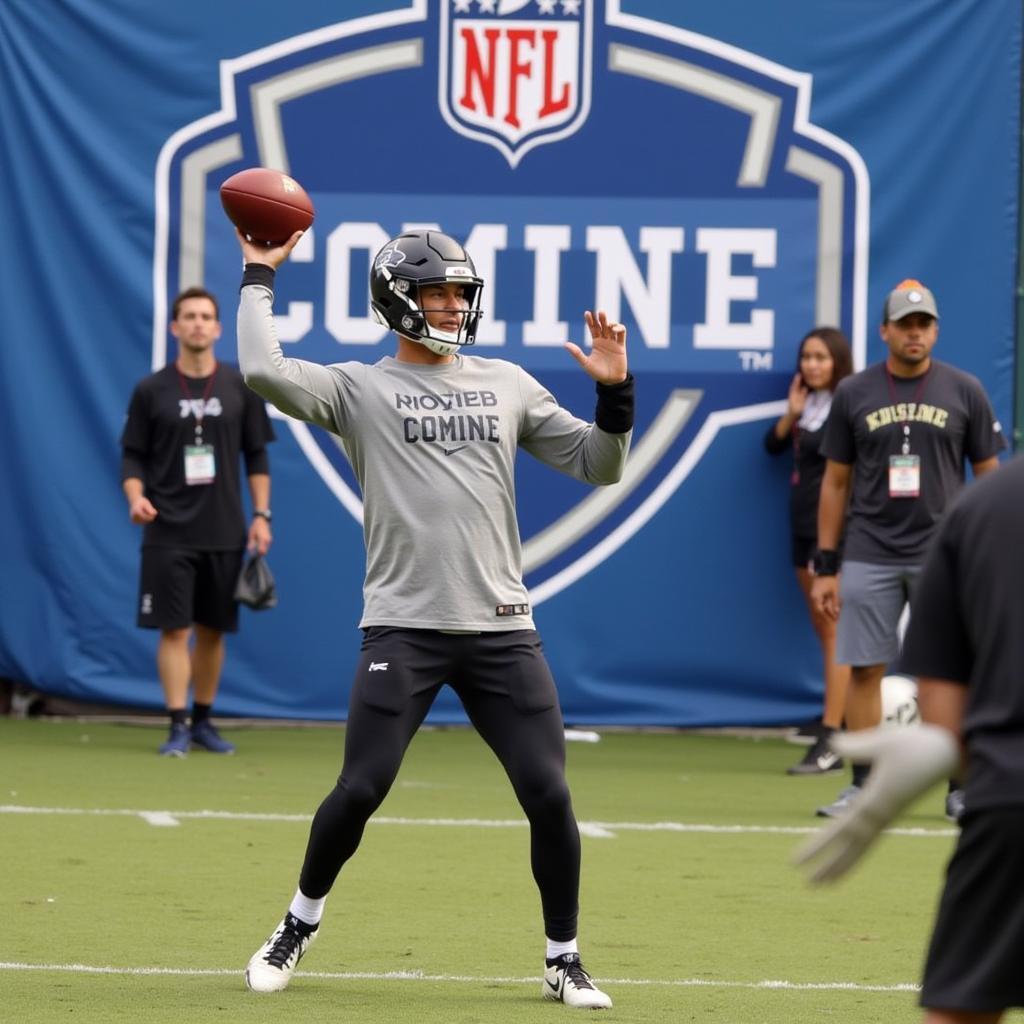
column 910, row 297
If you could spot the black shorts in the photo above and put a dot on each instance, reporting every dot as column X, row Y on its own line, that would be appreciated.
column 974, row 961
column 181, row 586
column 398, row 665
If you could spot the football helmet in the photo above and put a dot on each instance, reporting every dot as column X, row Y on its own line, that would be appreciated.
column 417, row 258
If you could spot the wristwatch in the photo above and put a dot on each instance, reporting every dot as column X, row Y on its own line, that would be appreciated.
column 825, row 562
column 263, row 513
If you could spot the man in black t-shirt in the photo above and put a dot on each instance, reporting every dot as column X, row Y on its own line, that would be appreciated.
column 966, row 645
column 187, row 425
column 897, row 438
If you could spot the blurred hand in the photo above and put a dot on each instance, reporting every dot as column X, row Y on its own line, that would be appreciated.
column 260, row 536
column 825, row 596
column 796, row 400
column 606, row 362
column 141, row 511
column 906, row 763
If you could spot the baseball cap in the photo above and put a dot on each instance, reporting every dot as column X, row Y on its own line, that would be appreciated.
column 908, row 297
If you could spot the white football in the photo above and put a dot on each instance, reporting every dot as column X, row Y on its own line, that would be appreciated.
column 899, row 701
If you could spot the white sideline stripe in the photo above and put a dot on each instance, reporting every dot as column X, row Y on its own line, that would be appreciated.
column 162, row 819
column 594, row 830
column 597, row 829
column 815, row 986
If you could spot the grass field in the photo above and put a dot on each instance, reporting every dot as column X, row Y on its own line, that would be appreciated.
column 134, row 887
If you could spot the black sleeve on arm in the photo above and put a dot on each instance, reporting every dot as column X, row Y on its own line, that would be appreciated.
column 614, row 413
column 136, row 434
column 258, row 273
column 257, row 463
column 937, row 643
column 133, row 464
column 774, row 444
column 984, row 438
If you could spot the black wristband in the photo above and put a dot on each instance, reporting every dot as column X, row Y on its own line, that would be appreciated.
column 258, row 273
column 614, row 414
column 825, row 562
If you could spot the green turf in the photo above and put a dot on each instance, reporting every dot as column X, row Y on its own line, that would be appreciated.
column 691, row 924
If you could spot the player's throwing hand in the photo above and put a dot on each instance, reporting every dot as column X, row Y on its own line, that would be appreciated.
column 272, row 256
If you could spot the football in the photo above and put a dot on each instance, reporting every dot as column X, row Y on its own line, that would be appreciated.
column 899, row 701
column 267, row 205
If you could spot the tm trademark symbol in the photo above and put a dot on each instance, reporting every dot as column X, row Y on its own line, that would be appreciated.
column 755, row 360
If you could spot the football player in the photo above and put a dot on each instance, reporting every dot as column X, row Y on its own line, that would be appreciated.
column 432, row 434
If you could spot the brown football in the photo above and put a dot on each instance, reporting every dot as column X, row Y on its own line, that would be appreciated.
column 267, row 205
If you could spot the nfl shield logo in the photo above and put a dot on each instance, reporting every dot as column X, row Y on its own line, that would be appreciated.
column 515, row 73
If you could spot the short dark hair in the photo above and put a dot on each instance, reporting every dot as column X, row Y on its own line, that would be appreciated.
column 194, row 293
column 838, row 346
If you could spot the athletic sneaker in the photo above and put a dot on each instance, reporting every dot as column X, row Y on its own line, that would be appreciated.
column 955, row 805
column 177, row 743
column 805, row 735
column 819, row 760
column 566, row 981
column 841, row 804
column 273, row 964
column 206, row 736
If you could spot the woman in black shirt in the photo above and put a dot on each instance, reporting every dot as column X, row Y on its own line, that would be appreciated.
column 823, row 359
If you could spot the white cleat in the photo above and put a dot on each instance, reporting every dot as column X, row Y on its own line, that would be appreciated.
column 566, row 981
column 273, row 964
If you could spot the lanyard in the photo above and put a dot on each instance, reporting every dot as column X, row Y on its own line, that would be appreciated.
column 916, row 401
column 207, row 391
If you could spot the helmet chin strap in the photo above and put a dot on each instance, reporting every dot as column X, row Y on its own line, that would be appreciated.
column 444, row 343
column 435, row 345
column 438, row 346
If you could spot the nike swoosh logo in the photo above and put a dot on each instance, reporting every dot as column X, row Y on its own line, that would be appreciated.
column 452, row 451
column 553, row 985
column 825, row 761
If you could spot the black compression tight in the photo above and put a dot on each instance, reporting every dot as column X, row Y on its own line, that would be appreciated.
column 531, row 748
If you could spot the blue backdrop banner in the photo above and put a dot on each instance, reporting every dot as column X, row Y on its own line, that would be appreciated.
column 721, row 176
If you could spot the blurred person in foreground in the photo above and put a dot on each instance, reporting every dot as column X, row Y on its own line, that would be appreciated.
column 187, row 427
column 823, row 360
column 432, row 435
column 897, row 440
column 966, row 645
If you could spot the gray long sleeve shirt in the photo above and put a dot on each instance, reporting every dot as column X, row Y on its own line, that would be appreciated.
column 433, row 449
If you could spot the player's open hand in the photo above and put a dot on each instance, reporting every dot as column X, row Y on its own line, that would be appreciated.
column 273, row 256
column 606, row 362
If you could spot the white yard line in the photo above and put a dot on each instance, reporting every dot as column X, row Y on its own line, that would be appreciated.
column 594, row 829
column 799, row 986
